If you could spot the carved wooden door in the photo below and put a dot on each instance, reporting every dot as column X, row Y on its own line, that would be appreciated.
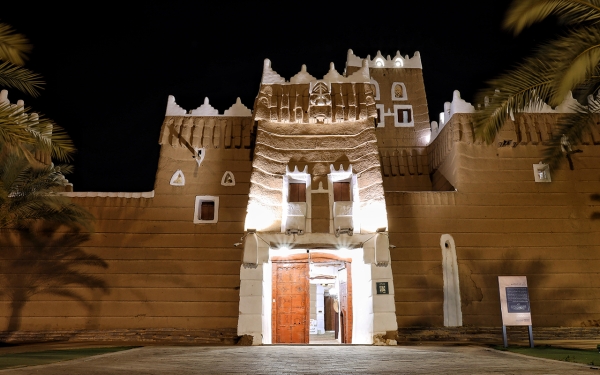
column 291, row 296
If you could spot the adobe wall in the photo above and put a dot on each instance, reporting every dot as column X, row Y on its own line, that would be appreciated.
column 154, row 268
column 503, row 223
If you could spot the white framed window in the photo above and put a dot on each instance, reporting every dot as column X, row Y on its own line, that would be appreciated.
column 206, row 209
column 376, row 85
column 380, row 119
column 296, row 201
column 403, row 116
column 399, row 91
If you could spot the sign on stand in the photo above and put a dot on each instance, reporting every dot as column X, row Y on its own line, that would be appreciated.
column 514, row 303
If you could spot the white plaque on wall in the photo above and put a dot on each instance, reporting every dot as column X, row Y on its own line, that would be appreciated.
column 514, row 301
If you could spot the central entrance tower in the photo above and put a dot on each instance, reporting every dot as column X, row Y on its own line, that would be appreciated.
column 316, row 184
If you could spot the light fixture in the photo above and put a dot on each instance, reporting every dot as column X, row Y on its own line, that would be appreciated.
column 380, row 230
column 237, row 244
column 348, row 231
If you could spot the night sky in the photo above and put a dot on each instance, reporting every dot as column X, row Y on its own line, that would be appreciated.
column 110, row 67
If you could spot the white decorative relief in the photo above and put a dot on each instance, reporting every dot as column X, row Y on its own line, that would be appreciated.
column 228, row 179
column 376, row 84
column 389, row 62
column 399, row 91
column 270, row 76
column 302, row 76
column 94, row 194
column 205, row 110
column 341, row 171
column 173, row 109
column 178, row 178
column 321, row 189
column 199, row 154
column 238, row 110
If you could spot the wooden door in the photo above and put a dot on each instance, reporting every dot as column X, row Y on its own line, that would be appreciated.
column 291, row 295
column 346, row 315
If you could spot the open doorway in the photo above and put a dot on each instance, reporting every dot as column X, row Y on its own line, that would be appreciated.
column 312, row 299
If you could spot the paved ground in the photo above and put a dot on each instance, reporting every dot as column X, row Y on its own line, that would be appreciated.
column 307, row 360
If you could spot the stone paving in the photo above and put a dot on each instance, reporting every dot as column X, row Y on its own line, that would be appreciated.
column 307, row 360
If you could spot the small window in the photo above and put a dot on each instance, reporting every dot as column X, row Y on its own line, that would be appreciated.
column 398, row 91
column 403, row 116
column 297, row 192
column 206, row 210
column 341, row 192
column 380, row 120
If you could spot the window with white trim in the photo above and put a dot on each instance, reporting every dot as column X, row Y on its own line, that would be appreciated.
column 399, row 91
column 403, row 116
column 206, row 209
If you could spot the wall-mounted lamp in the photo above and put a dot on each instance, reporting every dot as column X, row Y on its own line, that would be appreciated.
column 294, row 231
column 381, row 230
column 348, row 231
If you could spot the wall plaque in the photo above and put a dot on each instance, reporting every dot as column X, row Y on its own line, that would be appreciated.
column 382, row 288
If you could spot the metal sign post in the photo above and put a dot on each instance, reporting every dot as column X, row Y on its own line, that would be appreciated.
column 514, row 304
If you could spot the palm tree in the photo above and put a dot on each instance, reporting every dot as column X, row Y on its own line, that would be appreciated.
column 569, row 63
column 29, row 182
column 30, row 193
column 17, row 130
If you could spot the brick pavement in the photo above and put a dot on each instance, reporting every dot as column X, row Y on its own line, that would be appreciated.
column 307, row 360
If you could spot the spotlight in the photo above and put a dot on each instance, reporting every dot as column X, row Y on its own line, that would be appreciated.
column 237, row 244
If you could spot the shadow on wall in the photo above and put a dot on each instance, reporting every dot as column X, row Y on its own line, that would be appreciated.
column 595, row 198
column 44, row 261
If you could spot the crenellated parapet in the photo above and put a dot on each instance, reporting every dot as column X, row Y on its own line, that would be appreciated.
column 236, row 110
column 398, row 61
column 527, row 129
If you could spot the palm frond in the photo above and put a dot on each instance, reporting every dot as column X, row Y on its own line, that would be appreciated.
column 573, row 59
column 22, row 79
column 17, row 128
column 13, row 46
column 523, row 87
column 524, row 13
column 573, row 126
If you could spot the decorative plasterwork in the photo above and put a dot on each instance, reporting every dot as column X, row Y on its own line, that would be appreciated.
column 199, row 154
column 228, row 179
column 238, row 110
column 388, row 62
column 178, row 178
column 302, row 76
column 205, row 110
column 333, row 76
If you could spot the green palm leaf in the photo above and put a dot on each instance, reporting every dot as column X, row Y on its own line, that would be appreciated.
column 524, row 13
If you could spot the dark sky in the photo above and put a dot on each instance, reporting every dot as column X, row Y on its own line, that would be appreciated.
column 109, row 67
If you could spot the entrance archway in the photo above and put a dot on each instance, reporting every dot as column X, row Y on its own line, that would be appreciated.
column 295, row 320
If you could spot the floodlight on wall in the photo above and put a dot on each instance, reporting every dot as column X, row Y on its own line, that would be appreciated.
column 348, row 231
column 541, row 172
column 294, row 231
